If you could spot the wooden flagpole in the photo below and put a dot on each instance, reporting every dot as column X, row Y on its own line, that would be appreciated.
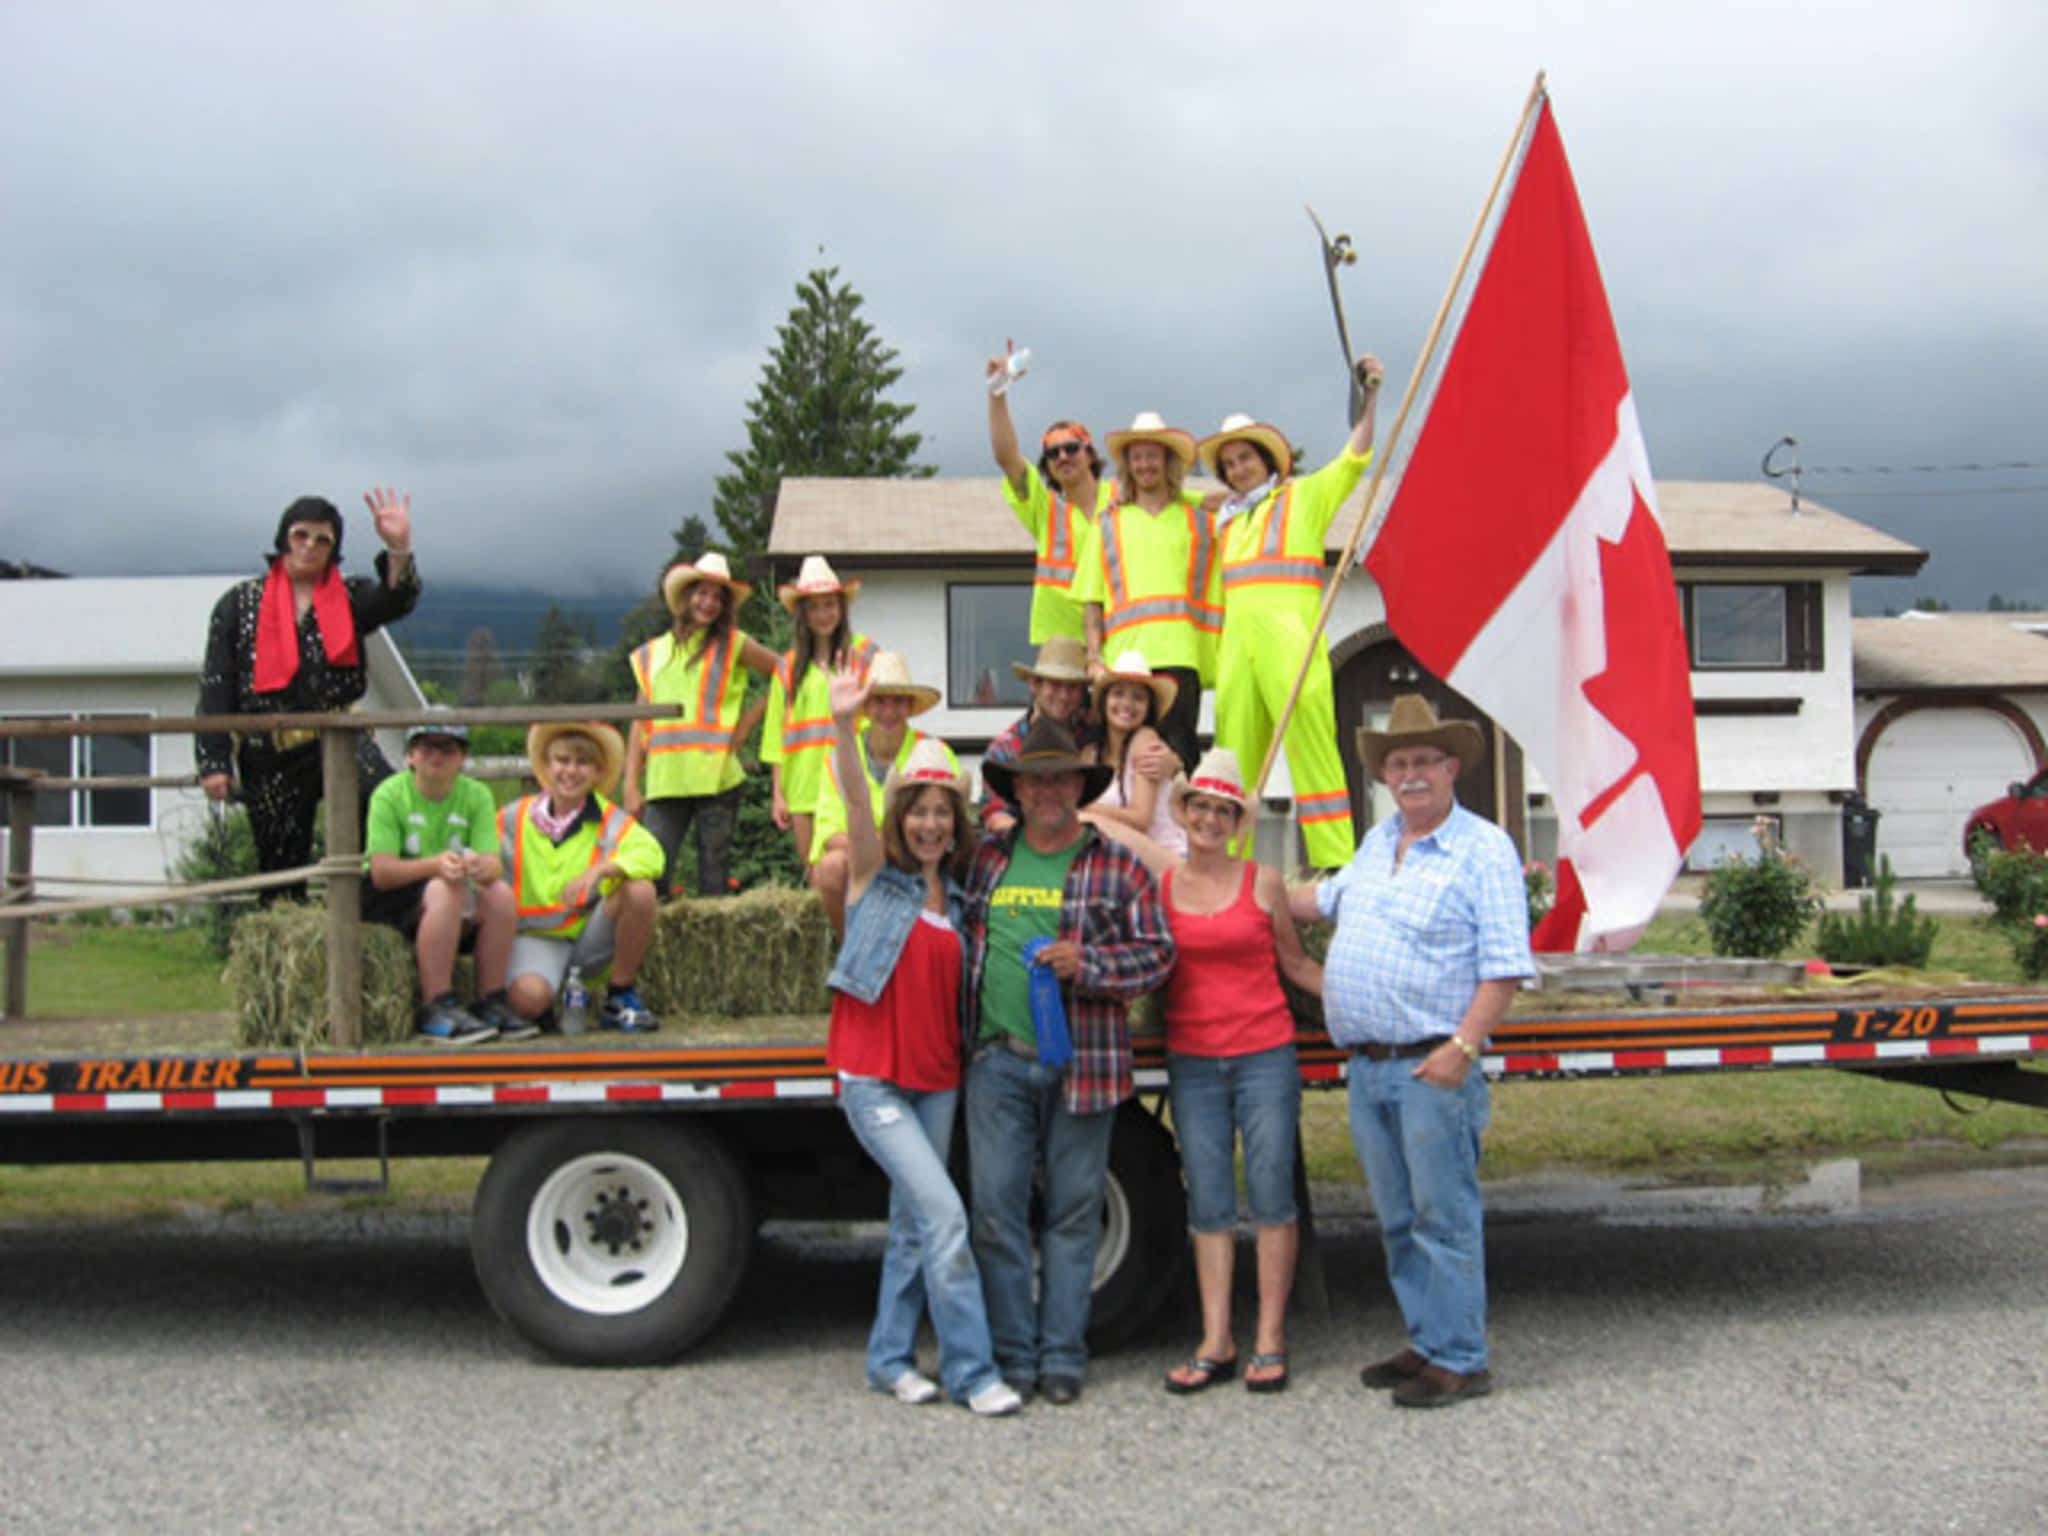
column 1379, row 468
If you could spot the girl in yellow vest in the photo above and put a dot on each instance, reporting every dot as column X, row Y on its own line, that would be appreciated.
column 796, row 739
column 686, row 769
column 1271, row 530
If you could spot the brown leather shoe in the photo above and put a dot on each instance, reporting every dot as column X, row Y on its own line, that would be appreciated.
column 1435, row 1387
column 1392, row 1371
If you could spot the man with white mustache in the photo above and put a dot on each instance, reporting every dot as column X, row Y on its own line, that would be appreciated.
column 1432, row 940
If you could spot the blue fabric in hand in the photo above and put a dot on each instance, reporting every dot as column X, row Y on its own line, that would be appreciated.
column 1048, row 1009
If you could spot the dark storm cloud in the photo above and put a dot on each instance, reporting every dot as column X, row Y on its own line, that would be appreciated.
column 526, row 260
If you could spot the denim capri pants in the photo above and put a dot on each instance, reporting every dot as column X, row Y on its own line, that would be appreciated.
column 1216, row 1099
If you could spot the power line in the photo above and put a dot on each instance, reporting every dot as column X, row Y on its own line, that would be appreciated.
column 1924, row 469
column 1937, row 493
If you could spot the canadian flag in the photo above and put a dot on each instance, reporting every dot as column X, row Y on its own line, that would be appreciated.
column 1523, row 561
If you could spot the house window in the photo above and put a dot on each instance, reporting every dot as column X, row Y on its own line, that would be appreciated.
column 1753, row 627
column 988, row 626
column 82, row 757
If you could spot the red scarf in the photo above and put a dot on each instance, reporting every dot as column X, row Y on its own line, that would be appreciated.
column 277, row 627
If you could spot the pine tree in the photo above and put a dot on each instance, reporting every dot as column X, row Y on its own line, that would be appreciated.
column 692, row 539
column 819, row 411
column 479, row 665
column 559, row 673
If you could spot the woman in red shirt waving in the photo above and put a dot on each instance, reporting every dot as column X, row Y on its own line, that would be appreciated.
column 1231, row 1069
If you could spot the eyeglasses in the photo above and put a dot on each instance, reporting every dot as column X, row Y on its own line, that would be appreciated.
column 1421, row 762
column 318, row 537
column 1070, row 448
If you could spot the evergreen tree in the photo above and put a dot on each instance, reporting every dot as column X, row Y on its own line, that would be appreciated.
column 819, row 411
column 692, row 539
column 479, row 665
column 559, row 674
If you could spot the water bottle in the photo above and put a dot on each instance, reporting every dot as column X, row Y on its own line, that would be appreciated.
column 575, row 1003
column 1048, row 1009
column 1015, row 366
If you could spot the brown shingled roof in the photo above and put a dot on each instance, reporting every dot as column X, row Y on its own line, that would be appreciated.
column 964, row 520
column 1920, row 651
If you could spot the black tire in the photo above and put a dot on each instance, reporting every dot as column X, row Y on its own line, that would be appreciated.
column 611, row 1242
column 1142, row 1262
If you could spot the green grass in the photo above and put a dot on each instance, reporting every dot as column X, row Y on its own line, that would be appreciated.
column 155, row 1191
column 95, row 970
column 1970, row 945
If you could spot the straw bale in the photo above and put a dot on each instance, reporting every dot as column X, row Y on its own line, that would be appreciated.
column 764, row 951
column 277, row 974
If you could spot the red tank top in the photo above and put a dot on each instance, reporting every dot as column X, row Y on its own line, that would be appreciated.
column 1224, row 998
column 910, row 1035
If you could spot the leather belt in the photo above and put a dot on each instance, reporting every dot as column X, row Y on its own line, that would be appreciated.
column 1372, row 1050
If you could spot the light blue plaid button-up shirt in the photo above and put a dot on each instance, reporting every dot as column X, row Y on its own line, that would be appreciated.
column 1413, row 944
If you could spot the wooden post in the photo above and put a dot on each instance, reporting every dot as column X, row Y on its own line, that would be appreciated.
column 20, row 791
column 344, row 888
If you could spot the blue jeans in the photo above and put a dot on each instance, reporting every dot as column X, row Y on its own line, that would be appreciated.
column 928, row 1261
column 1016, row 1118
column 1218, row 1098
column 1419, row 1147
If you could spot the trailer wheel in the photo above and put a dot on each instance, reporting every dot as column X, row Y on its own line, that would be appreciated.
column 1141, row 1262
column 611, row 1242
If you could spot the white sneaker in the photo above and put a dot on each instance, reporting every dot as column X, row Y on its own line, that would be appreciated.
column 913, row 1388
column 997, row 1400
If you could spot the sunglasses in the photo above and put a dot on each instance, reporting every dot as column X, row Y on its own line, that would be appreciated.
column 312, row 536
column 1067, row 449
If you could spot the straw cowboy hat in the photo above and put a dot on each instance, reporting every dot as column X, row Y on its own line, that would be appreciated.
column 889, row 677
column 710, row 566
column 1240, row 428
column 1151, row 427
column 1048, row 748
column 1131, row 667
column 927, row 765
column 1062, row 659
column 611, row 748
column 1216, row 775
column 815, row 578
column 1412, row 723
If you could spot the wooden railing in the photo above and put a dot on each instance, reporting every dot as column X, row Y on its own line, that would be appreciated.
column 341, row 870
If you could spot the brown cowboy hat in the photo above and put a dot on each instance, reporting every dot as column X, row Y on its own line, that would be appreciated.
column 611, row 748
column 1048, row 748
column 710, row 566
column 1062, row 659
column 1240, row 428
column 1412, row 723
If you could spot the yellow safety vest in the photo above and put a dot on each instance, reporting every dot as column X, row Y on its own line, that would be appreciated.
column 691, row 754
column 541, row 871
column 1162, row 590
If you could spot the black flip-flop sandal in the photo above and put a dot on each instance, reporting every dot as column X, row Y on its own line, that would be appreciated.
column 1207, row 1374
column 1268, row 1383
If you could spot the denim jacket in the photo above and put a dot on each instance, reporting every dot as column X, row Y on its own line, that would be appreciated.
column 878, row 926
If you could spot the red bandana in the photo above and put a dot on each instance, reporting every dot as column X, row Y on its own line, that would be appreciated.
column 277, row 627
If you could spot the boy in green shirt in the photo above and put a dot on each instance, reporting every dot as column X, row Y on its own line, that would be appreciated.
column 436, row 877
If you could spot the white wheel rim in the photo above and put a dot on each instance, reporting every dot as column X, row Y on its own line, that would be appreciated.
column 1114, row 1246
column 607, row 1233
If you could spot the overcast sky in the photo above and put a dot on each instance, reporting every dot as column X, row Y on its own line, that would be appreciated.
column 525, row 261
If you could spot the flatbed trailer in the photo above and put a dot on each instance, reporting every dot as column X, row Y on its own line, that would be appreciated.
column 625, row 1181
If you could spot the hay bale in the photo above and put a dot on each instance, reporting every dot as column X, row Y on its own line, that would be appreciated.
column 277, row 974
column 764, row 951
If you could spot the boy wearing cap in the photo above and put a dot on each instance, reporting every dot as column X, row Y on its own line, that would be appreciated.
column 1270, row 530
column 1057, row 501
column 435, row 876
column 582, row 873
column 1147, row 577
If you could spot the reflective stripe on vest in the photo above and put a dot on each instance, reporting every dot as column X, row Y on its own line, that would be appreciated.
column 1056, row 544
column 1270, row 564
column 708, row 720
column 1332, row 806
column 1186, row 607
column 536, row 917
column 812, row 733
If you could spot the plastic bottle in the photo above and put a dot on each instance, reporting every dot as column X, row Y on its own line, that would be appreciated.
column 1015, row 366
column 575, row 1003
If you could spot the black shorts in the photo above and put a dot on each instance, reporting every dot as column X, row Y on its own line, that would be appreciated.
column 400, row 909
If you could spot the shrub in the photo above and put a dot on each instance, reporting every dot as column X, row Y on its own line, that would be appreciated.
column 2015, row 882
column 1757, row 908
column 223, row 850
column 2030, row 946
column 1882, row 932
column 1536, row 882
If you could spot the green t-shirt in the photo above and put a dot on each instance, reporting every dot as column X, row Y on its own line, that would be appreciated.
column 1023, row 907
column 406, row 823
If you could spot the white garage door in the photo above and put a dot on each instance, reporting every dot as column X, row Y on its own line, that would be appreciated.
column 1928, row 771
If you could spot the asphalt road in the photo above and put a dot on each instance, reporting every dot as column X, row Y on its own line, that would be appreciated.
column 1877, row 1369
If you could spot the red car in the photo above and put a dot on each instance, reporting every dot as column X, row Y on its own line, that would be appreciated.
column 2021, row 817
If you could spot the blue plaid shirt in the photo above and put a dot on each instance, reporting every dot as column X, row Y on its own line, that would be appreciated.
column 1413, row 944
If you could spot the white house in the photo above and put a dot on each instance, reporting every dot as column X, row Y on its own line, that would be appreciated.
column 1950, row 709
column 125, row 646
column 1764, row 589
